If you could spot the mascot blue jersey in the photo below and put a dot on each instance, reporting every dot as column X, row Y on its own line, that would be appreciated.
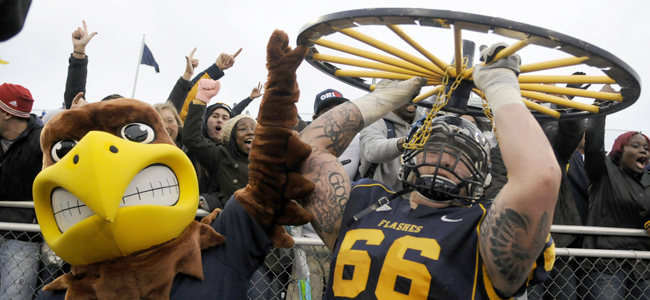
column 396, row 252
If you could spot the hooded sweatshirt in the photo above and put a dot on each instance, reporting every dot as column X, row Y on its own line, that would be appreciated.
column 377, row 148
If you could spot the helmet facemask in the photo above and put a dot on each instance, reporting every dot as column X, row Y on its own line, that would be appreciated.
column 466, row 148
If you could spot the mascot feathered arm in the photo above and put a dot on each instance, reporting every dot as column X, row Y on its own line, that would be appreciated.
column 277, row 153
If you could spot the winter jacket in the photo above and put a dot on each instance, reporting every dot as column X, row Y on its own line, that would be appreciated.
column 565, row 139
column 76, row 81
column 18, row 168
column 579, row 184
column 230, row 174
column 617, row 198
column 377, row 148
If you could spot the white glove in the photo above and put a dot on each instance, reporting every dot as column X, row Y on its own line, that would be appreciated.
column 387, row 96
column 498, row 80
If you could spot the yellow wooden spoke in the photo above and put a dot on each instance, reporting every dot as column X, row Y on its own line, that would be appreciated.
column 531, row 105
column 542, row 109
column 468, row 73
column 571, row 92
column 366, row 64
column 411, row 41
column 429, row 83
column 373, row 56
column 376, row 74
column 391, row 49
column 552, row 64
column 512, row 49
column 565, row 79
column 458, row 51
column 560, row 101
column 428, row 94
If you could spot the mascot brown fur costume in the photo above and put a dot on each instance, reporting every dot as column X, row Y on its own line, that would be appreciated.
column 128, row 241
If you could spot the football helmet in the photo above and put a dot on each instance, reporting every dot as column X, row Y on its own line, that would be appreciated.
column 465, row 144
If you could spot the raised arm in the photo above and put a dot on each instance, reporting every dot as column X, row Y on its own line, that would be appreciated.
column 518, row 223
column 595, row 154
column 78, row 68
column 183, row 84
column 567, row 135
column 206, row 151
column 255, row 93
column 329, row 136
column 215, row 71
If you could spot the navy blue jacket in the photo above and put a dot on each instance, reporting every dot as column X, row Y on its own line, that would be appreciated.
column 18, row 168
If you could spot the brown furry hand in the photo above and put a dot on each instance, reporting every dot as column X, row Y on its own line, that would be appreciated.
column 277, row 154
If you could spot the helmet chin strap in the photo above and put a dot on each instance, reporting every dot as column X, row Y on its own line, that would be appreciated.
column 379, row 203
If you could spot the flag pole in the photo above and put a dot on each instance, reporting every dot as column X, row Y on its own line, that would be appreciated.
column 138, row 68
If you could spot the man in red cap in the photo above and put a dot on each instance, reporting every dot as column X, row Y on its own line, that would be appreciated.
column 20, row 161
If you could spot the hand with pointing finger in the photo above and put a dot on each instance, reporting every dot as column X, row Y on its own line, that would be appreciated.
column 225, row 61
column 78, row 101
column 192, row 63
column 80, row 39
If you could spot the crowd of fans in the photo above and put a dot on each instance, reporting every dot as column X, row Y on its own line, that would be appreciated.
column 597, row 189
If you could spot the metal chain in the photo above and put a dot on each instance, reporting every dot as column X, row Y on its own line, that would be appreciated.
column 422, row 135
column 488, row 113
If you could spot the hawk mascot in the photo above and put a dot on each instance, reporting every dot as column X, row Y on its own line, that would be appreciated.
column 117, row 199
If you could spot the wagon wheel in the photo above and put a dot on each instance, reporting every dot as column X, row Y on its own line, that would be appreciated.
column 541, row 80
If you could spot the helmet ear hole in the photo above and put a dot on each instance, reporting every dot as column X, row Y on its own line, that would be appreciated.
column 488, row 180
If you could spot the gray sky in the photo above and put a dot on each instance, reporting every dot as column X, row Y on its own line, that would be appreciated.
column 38, row 56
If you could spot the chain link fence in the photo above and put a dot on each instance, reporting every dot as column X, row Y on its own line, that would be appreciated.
column 301, row 273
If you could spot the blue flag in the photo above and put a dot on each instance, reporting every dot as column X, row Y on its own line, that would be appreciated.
column 147, row 58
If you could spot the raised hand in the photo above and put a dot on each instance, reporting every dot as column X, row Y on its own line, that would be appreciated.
column 80, row 39
column 191, row 64
column 257, row 91
column 498, row 79
column 208, row 88
column 578, row 85
column 78, row 101
column 225, row 61
column 277, row 153
column 608, row 89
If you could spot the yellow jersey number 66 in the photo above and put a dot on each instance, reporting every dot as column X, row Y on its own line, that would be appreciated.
column 394, row 265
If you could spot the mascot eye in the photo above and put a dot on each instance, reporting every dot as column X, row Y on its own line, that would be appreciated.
column 138, row 132
column 61, row 148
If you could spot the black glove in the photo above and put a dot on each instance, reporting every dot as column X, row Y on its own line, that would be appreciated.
column 578, row 85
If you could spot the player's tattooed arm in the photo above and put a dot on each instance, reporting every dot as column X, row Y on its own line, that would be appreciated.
column 334, row 130
column 331, row 193
column 510, row 243
column 329, row 136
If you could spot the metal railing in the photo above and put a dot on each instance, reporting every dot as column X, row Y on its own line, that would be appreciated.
column 302, row 272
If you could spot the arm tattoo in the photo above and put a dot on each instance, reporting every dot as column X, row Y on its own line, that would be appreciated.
column 514, row 242
column 330, row 196
column 340, row 127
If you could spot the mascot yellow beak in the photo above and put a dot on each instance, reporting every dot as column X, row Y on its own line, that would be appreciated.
column 109, row 197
